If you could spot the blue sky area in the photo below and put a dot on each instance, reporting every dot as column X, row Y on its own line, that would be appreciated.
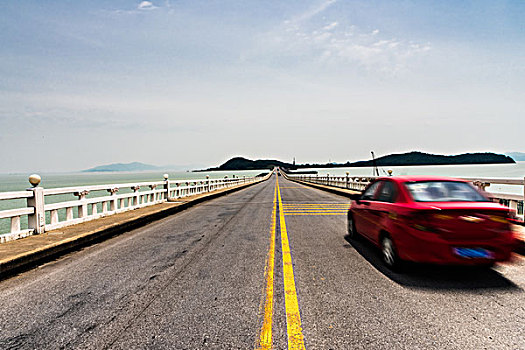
column 197, row 82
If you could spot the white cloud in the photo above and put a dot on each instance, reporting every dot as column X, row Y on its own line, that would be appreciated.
column 146, row 5
column 330, row 26
column 143, row 7
column 305, row 16
column 336, row 42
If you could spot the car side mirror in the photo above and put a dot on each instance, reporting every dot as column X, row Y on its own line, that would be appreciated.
column 355, row 197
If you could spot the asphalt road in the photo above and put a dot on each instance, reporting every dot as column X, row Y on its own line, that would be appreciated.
column 201, row 279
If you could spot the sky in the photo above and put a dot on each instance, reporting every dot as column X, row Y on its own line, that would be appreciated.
column 198, row 82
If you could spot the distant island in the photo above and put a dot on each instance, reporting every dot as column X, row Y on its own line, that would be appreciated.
column 420, row 158
column 240, row 163
column 135, row 166
column 403, row 159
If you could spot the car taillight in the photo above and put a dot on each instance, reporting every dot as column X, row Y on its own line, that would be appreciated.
column 499, row 219
column 420, row 222
column 502, row 222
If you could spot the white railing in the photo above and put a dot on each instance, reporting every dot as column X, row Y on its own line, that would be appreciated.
column 16, row 214
column 358, row 183
column 514, row 201
column 101, row 205
column 47, row 210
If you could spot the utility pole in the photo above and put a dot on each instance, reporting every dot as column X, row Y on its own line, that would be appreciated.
column 375, row 171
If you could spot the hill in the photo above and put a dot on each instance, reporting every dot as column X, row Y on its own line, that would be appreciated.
column 403, row 159
column 135, row 166
column 420, row 158
column 240, row 163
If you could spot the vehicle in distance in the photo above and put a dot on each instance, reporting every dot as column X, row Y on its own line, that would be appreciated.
column 431, row 220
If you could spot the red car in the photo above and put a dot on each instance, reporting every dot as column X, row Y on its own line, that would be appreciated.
column 431, row 220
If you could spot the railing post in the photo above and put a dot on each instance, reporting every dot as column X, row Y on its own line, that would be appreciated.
column 37, row 220
column 513, row 205
column 15, row 224
column 82, row 209
column 113, row 201
column 327, row 179
column 69, row 213
column 481, row 185
column 167, row 187
column 152, row 197
column 136, row 196
column 523, row 203
column 347, row 185
column 208, row 183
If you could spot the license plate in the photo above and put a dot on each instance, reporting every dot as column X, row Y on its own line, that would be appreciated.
column 474, row 253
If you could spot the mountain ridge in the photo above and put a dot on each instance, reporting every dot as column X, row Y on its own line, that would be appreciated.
column 401, row 159
column 116, row 167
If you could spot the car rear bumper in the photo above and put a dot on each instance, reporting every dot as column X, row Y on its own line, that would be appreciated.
column 428, row 247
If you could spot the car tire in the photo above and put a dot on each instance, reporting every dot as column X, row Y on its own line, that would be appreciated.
column 389, row 254
column 352, row 232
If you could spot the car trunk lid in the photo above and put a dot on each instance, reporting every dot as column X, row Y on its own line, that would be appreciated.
column 465, row 221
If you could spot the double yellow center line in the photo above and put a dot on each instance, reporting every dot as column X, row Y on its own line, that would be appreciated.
column 315, row 209
column 293, row 317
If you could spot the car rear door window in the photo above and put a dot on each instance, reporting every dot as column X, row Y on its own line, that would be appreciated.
column 370, row 192
column 387, row 192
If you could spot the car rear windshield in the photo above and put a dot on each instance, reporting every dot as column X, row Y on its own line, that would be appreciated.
column 444, row 191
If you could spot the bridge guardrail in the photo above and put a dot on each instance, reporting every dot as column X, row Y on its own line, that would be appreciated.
column 42, row 216
column 358, row 183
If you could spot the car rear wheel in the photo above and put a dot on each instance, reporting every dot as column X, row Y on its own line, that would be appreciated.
column 389, row 253
column 352, row 233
